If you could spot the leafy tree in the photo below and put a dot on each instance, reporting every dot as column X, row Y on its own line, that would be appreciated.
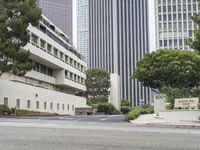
column 169, row 68
column 97, row 84
column 196, row 43
column 15, row 16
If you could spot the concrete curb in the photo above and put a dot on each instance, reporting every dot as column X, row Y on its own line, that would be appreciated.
column 168, row 125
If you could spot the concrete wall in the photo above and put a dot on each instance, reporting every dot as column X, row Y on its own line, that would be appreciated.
column 178, row 115
column 15, row 90
column 115, row 90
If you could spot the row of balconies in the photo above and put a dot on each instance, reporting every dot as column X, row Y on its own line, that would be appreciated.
column 43, row 45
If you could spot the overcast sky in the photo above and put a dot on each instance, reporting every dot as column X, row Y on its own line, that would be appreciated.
column 151, row 24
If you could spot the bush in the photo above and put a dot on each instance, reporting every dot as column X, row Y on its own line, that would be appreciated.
column 125, row 110
column 6, row 110
column 107, row 108
column 137, row 111
column 199, row 106
column 125, row 107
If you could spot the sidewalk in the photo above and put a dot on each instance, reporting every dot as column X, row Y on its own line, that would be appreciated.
column 153, row 120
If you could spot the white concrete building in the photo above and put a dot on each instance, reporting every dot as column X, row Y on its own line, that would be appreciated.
column 57, row 76
column 174, row 24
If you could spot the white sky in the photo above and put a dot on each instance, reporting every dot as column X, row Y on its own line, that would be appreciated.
column 74, row 23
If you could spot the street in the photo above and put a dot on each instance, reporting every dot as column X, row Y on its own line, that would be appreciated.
column 91, row 133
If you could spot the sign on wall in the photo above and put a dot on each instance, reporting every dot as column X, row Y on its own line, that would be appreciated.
column 186, row 103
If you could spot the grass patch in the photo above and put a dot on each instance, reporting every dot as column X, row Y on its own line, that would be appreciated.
column 137, row 111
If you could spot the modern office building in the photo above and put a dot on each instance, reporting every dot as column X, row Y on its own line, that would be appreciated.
column 57, row 79
column 174, row 24
column 82, row 28
column 118, row 38
column 60, row 12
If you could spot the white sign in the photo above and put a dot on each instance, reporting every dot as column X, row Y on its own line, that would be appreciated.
column 186, row 103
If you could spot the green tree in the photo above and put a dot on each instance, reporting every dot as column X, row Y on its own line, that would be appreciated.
column 195, row 44
column 97, row 84
column 169, row 68
column 15, row 16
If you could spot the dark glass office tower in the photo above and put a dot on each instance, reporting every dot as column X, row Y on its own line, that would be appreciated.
column 60, row 12
column 118, row 38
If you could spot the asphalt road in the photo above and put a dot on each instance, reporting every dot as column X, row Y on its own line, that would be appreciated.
column 91, row 133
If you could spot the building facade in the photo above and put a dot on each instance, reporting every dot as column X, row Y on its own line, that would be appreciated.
column 174, row 24
column 82, row 28
column 118, row 38
column 60, row 12
column 58, row 77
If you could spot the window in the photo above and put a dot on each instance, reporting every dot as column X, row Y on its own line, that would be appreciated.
column 82, row 68
column 61, row 55
column 174, row 16
column 55, row 52
column 58, row 106
column 63, row 106
column 169, row 17
column 66, row 58
column 28, row 104
column 71, row 76
column 49, row 48
column 34, row 39
column 71, row 61
column 42, row 44
column 160, row 42
column 43, row 69
column 72, row 107
column 37, row 105
column 45, row 105
column 50, row 72
column 68, row 107
column 165, row 43
column 51, row 106
column 180, row 42
column 75, row 77
column 66, row 73
column 170, row 43
column 5, row 101
column 75, row 63
column 37, row 67
column 169, row 8
column 18, row 103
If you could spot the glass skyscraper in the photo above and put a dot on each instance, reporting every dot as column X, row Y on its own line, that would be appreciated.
column 82, row 28
column 174, row 24
column 60, row 12
column 118, row 38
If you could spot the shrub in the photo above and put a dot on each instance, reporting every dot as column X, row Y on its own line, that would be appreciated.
column 137, row 111
column 125, row 107
column 107, row 108
column 6, row 110
column 125, row 103
column 125, row 110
